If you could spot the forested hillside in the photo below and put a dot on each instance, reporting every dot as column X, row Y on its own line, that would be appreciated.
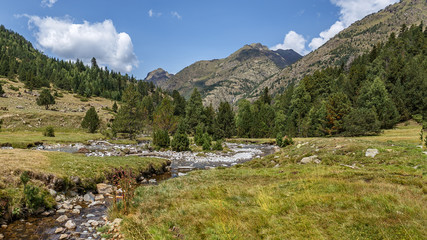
column 379, row 89
column 18, row 58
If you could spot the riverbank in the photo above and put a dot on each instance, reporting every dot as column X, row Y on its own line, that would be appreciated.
column 318, row 188
column 60, row 171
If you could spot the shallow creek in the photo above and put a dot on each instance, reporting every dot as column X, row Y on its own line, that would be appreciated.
column 91, row 216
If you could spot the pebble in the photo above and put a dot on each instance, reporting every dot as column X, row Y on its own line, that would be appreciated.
column 70, row 224
column 62, row 218
column 95, row 203
column 1, row 236
column 63, row 236
column 76, row 211
column 59, row 230
column 4, row 226
column 90, row 215
column 77, row 207
column 61, row 211
column 99, row 197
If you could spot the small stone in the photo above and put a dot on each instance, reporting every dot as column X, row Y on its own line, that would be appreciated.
column 371, row 152
column 62, row 218
column 103, row 188
column 99, row 197
column 89, row 197
column 61, row 211
column 152, row 181
column 52, row 192
column 117, row 221
column 90, row 215
column 277, row 165
column 1, row 236
column 311, row 159
column 63, row 236
column 77, row 207
column 95, row 203
column 45, row 214
column 59, row 230
column 70, row 224
column 181, row 174
column 93, row 223
column 4, row 226
column 75, row 211
column 67, row 206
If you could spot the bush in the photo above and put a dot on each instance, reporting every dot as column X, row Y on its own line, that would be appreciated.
column 35, row 197
column 49, row 132
column 180, row 142
column 279, row 139
column 217, row 146
column 161, row 138
column 287, row 141
column 418, row 118
column 207, row 142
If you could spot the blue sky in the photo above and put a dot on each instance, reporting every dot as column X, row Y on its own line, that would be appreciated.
column 138, row 36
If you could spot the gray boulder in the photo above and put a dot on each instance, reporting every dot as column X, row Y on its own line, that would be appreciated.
column 371, row 152
column 311, row 159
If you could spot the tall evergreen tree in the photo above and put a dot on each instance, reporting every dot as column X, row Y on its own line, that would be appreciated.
column 45, row 99
column 91, row 120
column 194, row 111
column 164, row 117
column 224, row 122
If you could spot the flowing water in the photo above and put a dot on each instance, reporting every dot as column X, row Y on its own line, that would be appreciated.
column 44, row 227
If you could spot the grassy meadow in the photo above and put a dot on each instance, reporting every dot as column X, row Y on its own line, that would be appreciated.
column 346, row 196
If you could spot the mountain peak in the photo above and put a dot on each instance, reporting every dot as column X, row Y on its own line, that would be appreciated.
column 158, row 76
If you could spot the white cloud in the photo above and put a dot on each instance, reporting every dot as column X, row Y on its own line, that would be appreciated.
column 176, row 14
column 293, row 41
column 151, row 13
column 48, row 3
column 71, row 41
column 350, row 12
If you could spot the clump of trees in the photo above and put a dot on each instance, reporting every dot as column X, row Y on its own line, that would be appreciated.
column 161, row 138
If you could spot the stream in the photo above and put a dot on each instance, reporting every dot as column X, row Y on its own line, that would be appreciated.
column 90, row 212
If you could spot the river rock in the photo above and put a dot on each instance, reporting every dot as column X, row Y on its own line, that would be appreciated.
column 95, row 203
column 3, row 226
column 99, row 197
column 311, row 159
column 52, row 192
column 89, row 197
column 70, row 224
column 63, row 236
column 371, row 152
column 83, row 150
column 76, row 211
column 94, row 223
column 1, row 236
column 62, row 218
column 152, row 181
column 117, row 221
column 90, row 215
column 77, row 207
column 67, row 206
column 103, row 188
column 59, row 230
column 61, row 211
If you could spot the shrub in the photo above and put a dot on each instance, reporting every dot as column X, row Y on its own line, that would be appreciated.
column 207, row 142
column 161, row 138
column 1, row 90
column 287, row 141
column 417, row 118
column 180, row 142
column 217, row 146
column 45, row 99
column 35, row 197
column 279, row 139
column 49, row 132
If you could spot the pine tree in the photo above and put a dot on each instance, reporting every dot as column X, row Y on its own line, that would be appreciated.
column 164, row 117
column 194, row 111
column 115, row 107
column 130, row 115
column 244, row 119
column 45, row 99
column 91, row 120
column 1, row 90
column 224, row 122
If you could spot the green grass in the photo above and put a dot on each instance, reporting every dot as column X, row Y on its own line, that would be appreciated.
column 384, row 198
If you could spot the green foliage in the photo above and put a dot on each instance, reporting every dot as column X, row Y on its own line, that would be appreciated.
column 24, row 177
column 35, row 198
column 130, row 115
column 1, row 123
column 115, row 107
column 1, row 90
column 45, row 98
column 283, row 141
column 161, row 138
column 91, row 120
column 198, row 135
column 180, row 142
column 164, row 117
column 49, row 132
column 194, row 111
column 217, row 146
column 224, row 126
column 361, row 121
column 207, row 142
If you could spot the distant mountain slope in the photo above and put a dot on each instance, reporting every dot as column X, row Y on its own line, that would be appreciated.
column 351, row 42
column 231, row 78
column 158, row 76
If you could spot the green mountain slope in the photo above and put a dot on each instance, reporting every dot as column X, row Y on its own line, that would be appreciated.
column 357, row 39
column 231, row 78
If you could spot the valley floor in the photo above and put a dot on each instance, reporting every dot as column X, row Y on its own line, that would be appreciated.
column 346, row 196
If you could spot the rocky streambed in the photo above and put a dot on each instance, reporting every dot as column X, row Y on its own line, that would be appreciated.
column 82, row 216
